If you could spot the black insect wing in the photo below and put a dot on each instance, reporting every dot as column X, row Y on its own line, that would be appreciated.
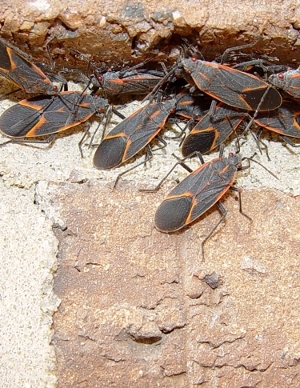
column 45, row 115
column 24, row 73
column 197, row 193
column 233, row 87
column 130, row 82
column 284, row 120
column 133, row 134
column 212, row 130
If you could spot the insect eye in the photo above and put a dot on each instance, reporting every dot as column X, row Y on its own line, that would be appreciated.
column 280, row 76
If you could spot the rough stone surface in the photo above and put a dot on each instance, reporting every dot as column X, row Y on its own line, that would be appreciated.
column 118, row 32
column 136, row 307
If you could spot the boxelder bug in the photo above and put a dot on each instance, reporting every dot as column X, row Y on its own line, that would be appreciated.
column 126, row 81
column 114, row 83
column 133, row 134
column 197, row 193
column 285, row 121
column 18, row 69
column 190, row 106
column 46, row 115
column 212, row 130
column 288, row 81
column 233, row 87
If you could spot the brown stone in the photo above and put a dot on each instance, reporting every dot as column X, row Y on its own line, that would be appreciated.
column 136, row 308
